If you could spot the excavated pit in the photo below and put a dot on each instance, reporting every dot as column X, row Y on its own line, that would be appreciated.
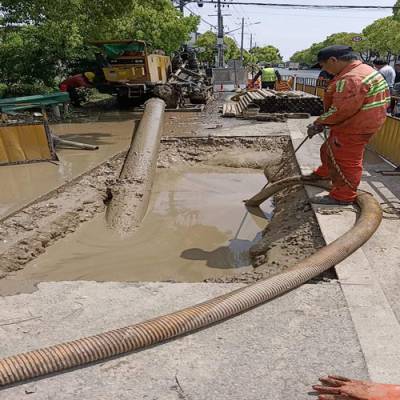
column 196, row 228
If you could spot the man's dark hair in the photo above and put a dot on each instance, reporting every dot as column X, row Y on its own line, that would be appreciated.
column 349, row 57
column 379, row 61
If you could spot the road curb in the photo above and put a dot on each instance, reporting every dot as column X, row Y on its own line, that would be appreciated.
column 375, row 322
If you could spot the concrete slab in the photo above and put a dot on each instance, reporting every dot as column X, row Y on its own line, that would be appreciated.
column 370, row 278
column 276, row 351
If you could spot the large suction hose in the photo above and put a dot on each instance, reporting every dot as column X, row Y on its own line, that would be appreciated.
column 131, row 194
column 124, row 340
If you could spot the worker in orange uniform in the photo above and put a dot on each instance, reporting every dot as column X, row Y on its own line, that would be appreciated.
column 72, row 83
column 339, row 388
column 355, row 109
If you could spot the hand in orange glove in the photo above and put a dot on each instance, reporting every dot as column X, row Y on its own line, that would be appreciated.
column 339, row 388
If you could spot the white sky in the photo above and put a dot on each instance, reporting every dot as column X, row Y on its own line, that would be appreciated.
column 292, row 29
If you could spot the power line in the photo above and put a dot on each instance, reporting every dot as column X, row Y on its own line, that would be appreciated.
column 309, row 6
column 201, row 18
column 285, row 14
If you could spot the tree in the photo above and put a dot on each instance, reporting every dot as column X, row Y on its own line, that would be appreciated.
column 266, row 54
column 396, row 10
column 303, row 57
column 41, row 39
column 381, row 38
column 208, row 41
column 309, row 56
column 384, row 36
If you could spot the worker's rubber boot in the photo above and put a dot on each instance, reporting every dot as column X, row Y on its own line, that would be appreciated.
column 329, row 201
column 338, row 388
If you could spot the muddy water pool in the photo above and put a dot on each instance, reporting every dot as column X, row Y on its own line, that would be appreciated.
column 196, row 227
column 22, row 184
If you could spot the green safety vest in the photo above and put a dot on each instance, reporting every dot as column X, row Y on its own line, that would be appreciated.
column 268, row 75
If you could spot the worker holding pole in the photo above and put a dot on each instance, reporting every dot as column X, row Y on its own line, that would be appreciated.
column 355, row 109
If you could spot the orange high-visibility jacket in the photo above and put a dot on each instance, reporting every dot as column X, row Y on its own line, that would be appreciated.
column 356, row 101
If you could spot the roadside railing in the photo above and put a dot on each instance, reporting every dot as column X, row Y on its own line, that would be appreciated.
column 311, row 86
column 387, row 141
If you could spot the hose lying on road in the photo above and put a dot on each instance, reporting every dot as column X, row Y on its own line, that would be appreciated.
column 119, row 341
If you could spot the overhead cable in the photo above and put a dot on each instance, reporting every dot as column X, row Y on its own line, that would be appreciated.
column 308, row 6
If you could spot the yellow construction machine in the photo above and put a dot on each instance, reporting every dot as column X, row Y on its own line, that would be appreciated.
column 129, row 71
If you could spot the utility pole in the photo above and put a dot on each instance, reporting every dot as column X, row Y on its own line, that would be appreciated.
column 251, row 41
column 241, row 42
column 220, row 36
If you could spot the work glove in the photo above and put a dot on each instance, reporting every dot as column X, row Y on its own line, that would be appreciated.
column 313, row 130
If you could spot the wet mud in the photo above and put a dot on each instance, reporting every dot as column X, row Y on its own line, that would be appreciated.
column 237, row 164
column 293, row 233
column 30, row 231
column 210, row 123
column 196, row 227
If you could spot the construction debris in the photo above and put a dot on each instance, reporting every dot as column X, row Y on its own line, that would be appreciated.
column 261, row 101
column 183, row 84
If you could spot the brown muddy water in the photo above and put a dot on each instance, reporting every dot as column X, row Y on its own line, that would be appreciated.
column 21, row 184
column 196, row 228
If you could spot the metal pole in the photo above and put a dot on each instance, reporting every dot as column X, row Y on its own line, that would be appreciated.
column 251, row 41
column 241, row 42
column 235, row 72
column 220, row 37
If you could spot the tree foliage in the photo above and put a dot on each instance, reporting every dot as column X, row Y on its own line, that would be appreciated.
column 384, row 36
column 396, row 10
column 381, row 38
column 309, row 56
column 266, row 54
column 208, row 41
column 43, row 40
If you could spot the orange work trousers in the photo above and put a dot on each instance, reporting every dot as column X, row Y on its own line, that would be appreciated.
column 348, row 151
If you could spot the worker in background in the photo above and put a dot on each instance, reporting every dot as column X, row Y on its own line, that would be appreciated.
column 339, row 388
column 387, row 71
column 395, row 105
column 73, row 83
column 397, row 70
column 355, row 109
column 323, row 79
column 324, row 76
column 269, row 76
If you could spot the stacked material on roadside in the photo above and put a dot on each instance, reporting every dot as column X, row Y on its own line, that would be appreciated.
column 261, row 101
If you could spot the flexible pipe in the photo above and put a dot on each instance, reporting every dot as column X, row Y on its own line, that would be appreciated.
column 124, row 340
column 130, row 197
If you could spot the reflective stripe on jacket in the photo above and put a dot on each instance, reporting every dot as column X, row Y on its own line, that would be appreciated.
column 356, row 101
column 268, row 75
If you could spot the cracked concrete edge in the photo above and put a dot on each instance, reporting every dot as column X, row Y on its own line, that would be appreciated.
column 376, row 325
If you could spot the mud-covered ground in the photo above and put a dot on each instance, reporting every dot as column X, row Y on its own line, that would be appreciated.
column 292, row 234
